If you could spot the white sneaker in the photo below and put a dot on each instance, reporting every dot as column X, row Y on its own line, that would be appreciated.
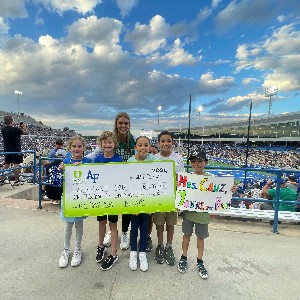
column 143, row 261
column 133, row 261
column 124, row 241
column 107, row 239
column 64, row 259
column 76, row 259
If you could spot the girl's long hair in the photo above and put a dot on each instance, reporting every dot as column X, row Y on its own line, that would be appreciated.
column 125, row 115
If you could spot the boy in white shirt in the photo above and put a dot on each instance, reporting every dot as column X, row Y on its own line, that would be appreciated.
column 165, row 143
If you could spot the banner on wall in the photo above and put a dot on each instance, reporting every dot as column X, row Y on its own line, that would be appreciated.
column 203, row 193
column 119, row 188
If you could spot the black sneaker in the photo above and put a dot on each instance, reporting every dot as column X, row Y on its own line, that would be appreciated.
column 109, row 262
column 100, row 253
column 202, row 271
column 182, row 265
column 149, row 244
column 169, row 256
column 159, row 254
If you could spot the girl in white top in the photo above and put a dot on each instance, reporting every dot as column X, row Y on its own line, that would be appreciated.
column 140, row 221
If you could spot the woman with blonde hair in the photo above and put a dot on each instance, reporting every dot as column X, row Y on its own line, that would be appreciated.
column 125, row 149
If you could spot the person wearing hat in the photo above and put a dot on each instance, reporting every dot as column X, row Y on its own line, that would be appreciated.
column 59, row 144
column 47, row 164
column 199, row 220
column 286, row 194
column 54, row 190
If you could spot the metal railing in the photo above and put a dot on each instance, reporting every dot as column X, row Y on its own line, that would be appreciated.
column 33, row 166
column 276, row 201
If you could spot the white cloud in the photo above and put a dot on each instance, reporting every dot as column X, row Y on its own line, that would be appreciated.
column 248, row 81
column 176, row 56
column 13, row 9
column 86, row 83
column 278, row 53
column 239, row 13
column 3, row 27
column 215, row 3
column 216, row 85
column 154, row 41
column 148, row 38
column 81, row 6
column 39, row 21
column 203, row 14
column 126, row 6
column 280, row 18
column 92, row 31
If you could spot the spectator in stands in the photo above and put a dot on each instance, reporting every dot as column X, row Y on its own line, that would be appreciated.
column 235, row 194
column 12, row 143
column 59, row 144
column 153, row 149
column 286, row 194
column 55, row 189
column 255, row 192
column 293, row 184
column 88, row 150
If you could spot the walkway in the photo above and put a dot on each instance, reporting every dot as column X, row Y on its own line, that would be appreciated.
column 245, row 260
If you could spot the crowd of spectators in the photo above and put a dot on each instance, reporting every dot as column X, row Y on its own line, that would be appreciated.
column 43, row 137
column 257, row 157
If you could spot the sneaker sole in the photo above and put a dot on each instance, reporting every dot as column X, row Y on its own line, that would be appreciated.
column 180, row 270
column 124, row 248
column 170, row 263
column 159, row 261
column 133, row 269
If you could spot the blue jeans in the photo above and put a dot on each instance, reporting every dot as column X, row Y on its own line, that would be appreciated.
column 139, row 221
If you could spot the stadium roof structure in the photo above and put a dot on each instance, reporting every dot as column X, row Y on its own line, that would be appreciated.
column 284, row 127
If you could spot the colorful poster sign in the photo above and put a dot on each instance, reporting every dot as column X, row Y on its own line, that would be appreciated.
column 119, row 188
column 203, row 193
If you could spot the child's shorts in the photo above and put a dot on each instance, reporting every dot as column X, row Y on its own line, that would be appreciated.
column 170, row 218
column 112, row 219
column 201, row 230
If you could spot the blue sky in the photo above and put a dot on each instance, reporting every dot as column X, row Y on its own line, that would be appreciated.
column 79, row 62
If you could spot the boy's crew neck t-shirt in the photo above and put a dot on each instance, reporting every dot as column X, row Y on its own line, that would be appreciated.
column 177, row 158
column 150, row 157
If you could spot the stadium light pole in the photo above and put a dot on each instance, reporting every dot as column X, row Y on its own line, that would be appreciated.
column 247, row 147
column 269, row 92
column 158, row 110
column 189, row 128
column 18, row 93
column 199, row 110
